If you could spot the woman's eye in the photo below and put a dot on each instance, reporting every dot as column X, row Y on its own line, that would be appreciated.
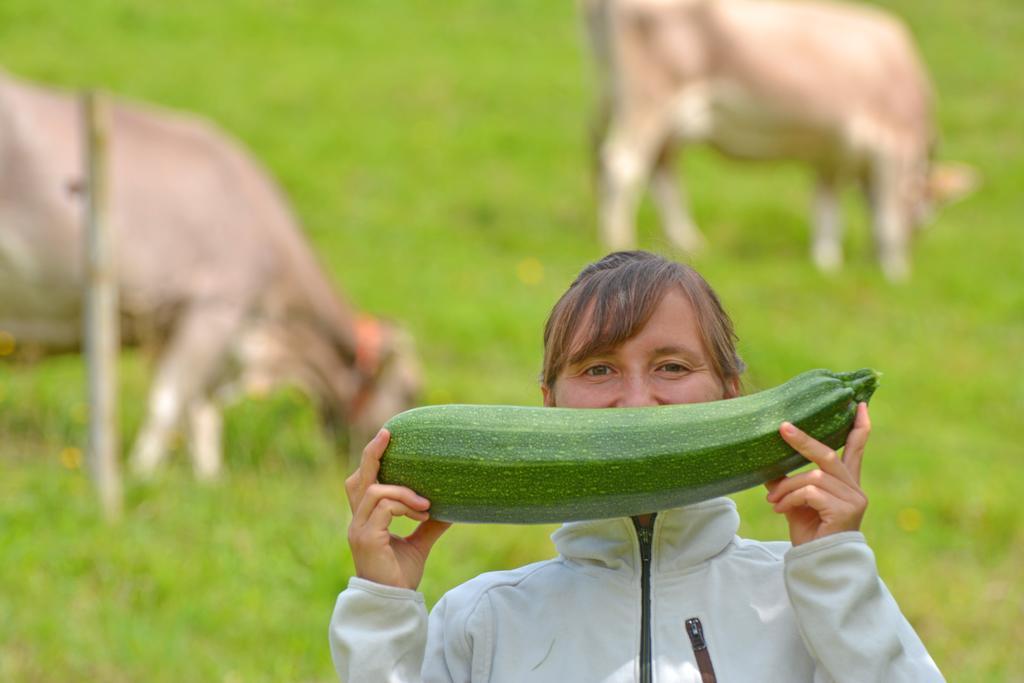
column 674, row 367
column 597, row 371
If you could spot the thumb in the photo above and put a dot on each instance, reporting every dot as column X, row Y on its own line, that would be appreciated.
column 427, row 533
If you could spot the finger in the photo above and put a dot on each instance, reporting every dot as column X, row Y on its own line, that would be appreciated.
column 389, row 508
column 427, row 533
column 354, row 490
column 772, row 484
column 815, row 451
column 376, row 529
column 853, row 451
column 834, row 514
column 816, row 477
column 369, row 466
column 378, row 493
column 806, row 496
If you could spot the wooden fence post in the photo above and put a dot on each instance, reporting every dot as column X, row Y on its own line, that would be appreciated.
column 102, row 324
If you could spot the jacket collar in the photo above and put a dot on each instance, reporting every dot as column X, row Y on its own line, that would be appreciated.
column 683, row 538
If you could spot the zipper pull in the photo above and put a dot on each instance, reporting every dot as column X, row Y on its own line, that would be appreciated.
column 695, row 630
column 646, row 535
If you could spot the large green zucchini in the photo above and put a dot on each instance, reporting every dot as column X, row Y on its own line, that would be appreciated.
column 516, row 464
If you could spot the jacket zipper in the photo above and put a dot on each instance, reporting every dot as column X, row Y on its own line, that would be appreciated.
column 695, row 630
column 645, row 535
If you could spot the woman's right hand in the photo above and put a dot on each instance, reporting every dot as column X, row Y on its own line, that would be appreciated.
column 379, row 555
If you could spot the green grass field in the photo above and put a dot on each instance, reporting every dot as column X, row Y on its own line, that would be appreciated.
column 436, row 153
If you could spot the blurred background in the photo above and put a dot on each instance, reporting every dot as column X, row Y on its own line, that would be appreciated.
column 437, row 156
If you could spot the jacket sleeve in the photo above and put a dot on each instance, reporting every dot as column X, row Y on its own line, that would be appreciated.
column 378, row 633
column 848, row 620
column 382, row 634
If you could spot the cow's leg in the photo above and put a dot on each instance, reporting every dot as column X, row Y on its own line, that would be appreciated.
column 888, row 217
column 184, row 372
column 670, row 199
column 599, row 126
column 205, row 431
column 826, row 248
column 626, row 157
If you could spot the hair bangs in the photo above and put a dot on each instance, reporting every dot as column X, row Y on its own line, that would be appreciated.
column 609, row 321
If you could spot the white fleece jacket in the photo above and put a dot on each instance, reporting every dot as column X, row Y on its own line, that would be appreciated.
column 770, row 612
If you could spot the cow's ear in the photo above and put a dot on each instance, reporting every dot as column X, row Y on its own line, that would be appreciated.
column 949, row 182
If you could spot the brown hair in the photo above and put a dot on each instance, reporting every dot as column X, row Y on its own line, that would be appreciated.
column 612, row 299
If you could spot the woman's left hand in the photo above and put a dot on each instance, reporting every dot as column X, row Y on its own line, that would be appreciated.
column 828, row 499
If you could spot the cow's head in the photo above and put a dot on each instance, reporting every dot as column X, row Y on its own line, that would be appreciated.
column 920, row 191
column 938, row 185
column 354, row 396
column 391, row 379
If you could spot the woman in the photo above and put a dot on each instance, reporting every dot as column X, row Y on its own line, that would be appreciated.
column 669, row 596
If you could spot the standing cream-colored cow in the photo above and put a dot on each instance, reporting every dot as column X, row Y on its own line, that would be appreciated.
column 837, row 86
column 214, row 273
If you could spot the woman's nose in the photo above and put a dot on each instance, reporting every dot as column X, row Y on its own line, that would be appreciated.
column 637, row 392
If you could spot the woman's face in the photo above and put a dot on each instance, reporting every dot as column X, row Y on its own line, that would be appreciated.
column 662, row 364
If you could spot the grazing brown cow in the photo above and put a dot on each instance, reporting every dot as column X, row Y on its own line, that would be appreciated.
column 214, row 273
column 839, row 87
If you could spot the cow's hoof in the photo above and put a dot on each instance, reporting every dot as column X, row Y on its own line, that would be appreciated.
column 827, row 259
column 896, row 272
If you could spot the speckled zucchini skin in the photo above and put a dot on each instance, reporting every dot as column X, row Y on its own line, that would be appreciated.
column 525, row 465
